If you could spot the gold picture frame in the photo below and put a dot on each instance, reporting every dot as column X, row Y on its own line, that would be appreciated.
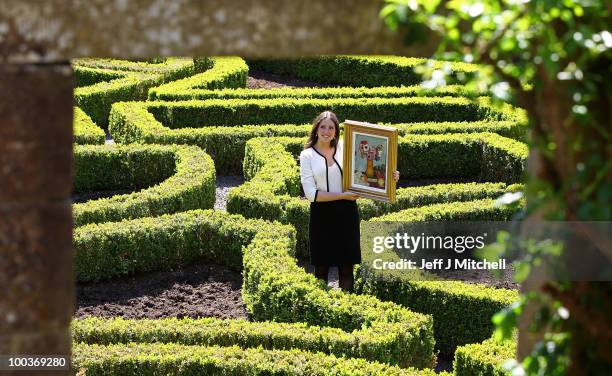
column 370, row 158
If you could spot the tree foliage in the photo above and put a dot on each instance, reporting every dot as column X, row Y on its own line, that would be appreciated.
column 553, row 58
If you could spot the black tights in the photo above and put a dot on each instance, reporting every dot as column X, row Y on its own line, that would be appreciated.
column 345, row 274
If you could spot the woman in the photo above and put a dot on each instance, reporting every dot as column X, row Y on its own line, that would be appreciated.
column 334, row 218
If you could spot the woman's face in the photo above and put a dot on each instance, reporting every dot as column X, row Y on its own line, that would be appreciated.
column 326, row 130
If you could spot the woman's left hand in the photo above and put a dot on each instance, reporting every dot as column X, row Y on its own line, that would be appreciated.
column 396, row 176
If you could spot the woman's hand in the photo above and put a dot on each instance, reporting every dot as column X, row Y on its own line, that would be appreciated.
column 396, row 176
column 349, row 196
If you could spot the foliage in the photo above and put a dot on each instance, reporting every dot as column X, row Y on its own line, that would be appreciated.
column 552, row 58
column 181, row 360
column 369, row 343
column 101, row 82
column 171, row 178
column 85, row 130
column 275, row 287
column 222, row 127
column 219, row 73
column 369, row 71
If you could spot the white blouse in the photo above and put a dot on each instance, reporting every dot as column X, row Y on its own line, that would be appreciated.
column 317, row 176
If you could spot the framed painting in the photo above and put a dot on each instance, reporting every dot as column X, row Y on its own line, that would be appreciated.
column 370, row 157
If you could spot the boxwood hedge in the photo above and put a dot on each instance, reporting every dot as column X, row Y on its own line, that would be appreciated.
column 195, row 113
column 486, row 358
column 274, row 286
column 369, row 343
column 168, row 122
column 85, row 130
column 462, row 312
column 101, row 82
column 319, row 93
column 170, row 179
column 174, row 359
column 222, row 72
column 357, row 70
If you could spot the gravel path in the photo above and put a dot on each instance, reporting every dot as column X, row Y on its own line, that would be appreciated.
column 224, row 183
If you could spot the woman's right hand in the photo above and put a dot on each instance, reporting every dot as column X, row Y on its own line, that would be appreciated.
column 350, row 196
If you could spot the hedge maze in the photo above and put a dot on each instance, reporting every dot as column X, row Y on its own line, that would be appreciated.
column 178, row 123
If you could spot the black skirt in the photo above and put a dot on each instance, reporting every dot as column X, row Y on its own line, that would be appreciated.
column 334, row 233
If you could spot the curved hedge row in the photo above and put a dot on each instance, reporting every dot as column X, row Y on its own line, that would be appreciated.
column 514, row 128
column 132, row 122
column 101, row 82
column 90, row 76
column 270, row 292
column 222, row 72
column 369, row 343
column 158, row 359
column 446, row 301
column 172, row 179
column 85, row 130
column 185, row 123
column 170, row 67
column 359, row 70
column 486, row 358
column 196, row 114
column 315, row 93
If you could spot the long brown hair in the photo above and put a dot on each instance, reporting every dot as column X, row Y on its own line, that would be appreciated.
column 312, row 139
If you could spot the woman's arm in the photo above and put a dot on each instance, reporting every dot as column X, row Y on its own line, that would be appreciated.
column 310, row 187
column 331, row 196
column 307, row 178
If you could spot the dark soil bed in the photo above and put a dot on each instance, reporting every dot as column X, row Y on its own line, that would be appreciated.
column 484, row 277
column 195, row 291
column 84, row 197
column 263, row 80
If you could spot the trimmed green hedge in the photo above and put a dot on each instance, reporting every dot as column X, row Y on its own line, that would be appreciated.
column 513, row 129
column 356, row 70
column 174, row 359
column 131, row 122
column 222, row 72
column 113, row 249
column 484, row 358
column 274, row 286
column 170, row 67
column 274, row 179
column 482, row 156
column 195, row 114
column 85, row 130
column 446, row 301
column 184, row 178
column 89, row 76
column 315, row 93
column 137, row 122
column 117, row 80
column 509, row 129
column 369, row 343
column 478, row 210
